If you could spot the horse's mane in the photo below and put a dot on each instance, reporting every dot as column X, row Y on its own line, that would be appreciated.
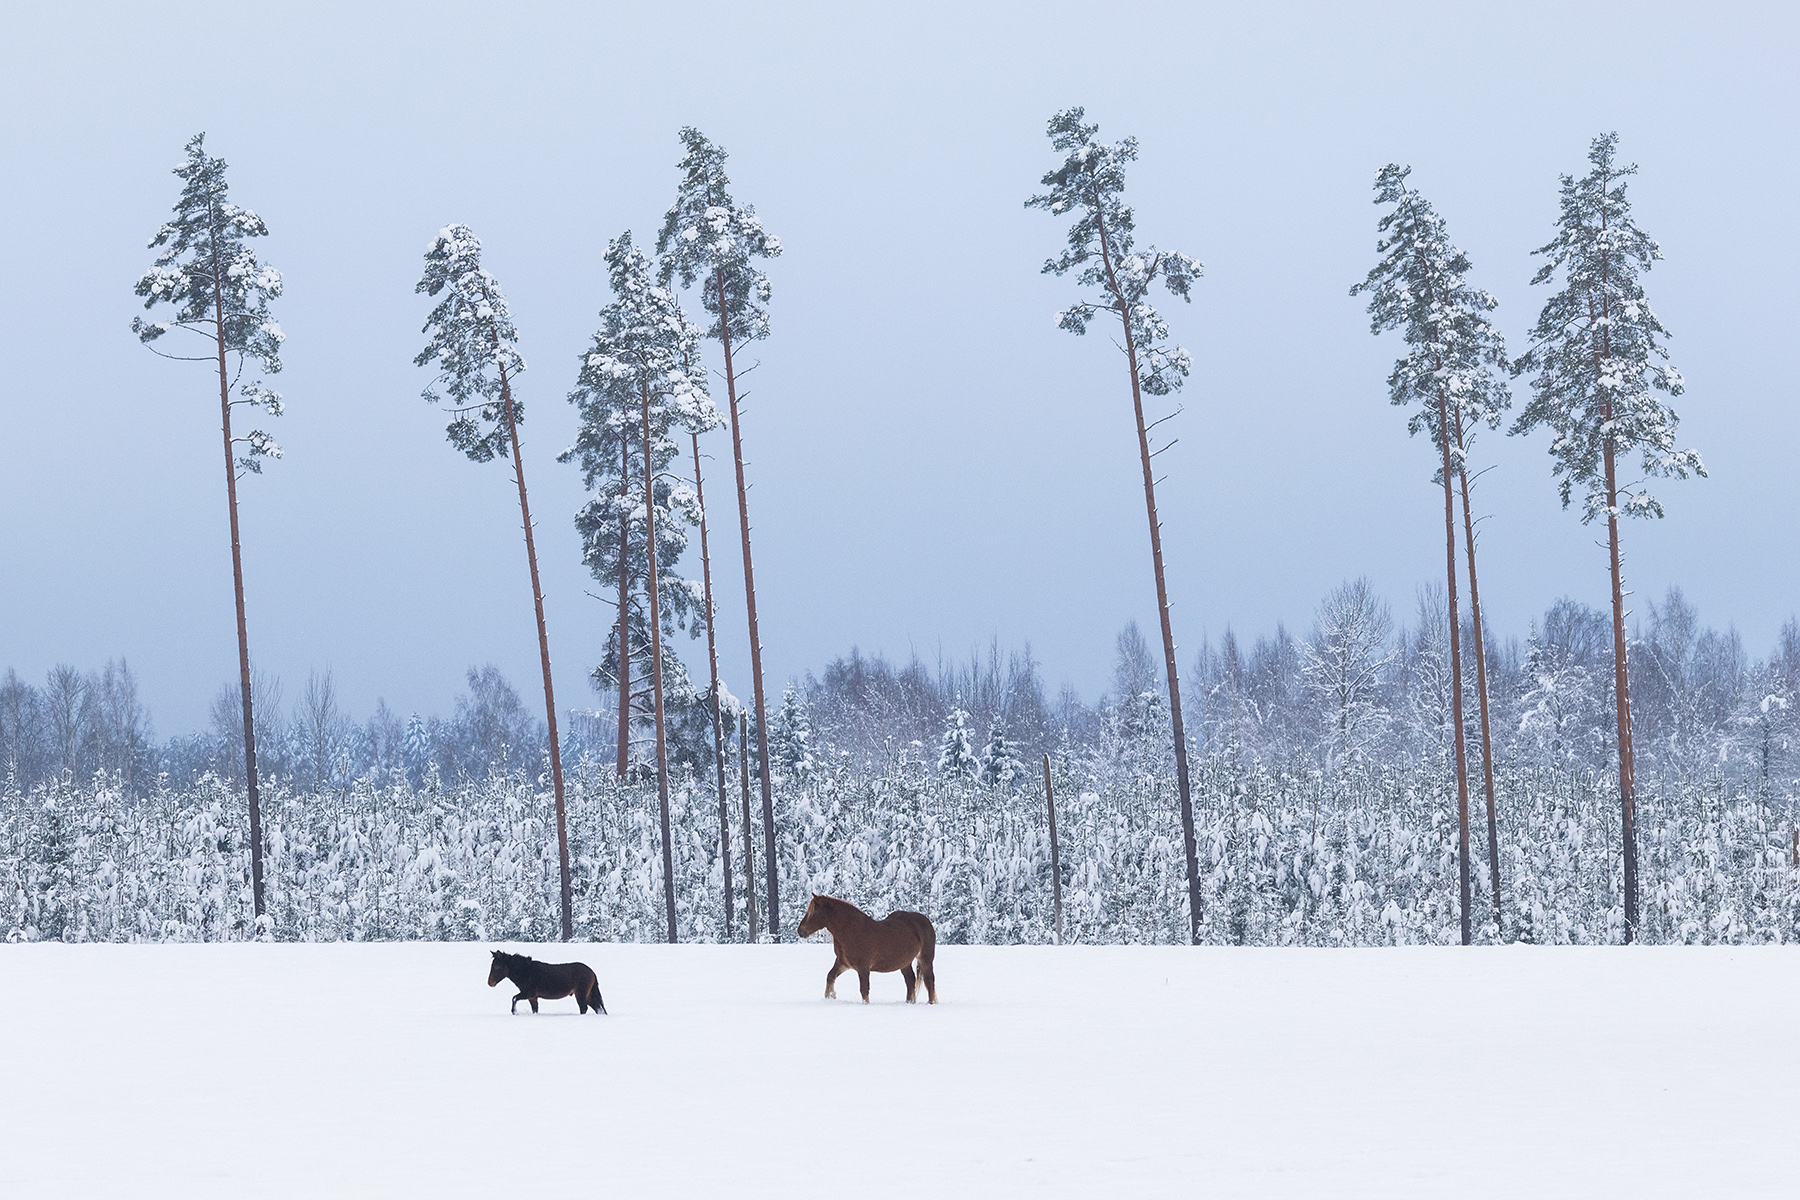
column 832, row 902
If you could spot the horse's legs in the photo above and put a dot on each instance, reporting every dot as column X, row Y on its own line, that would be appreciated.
column 930, row 977
column 516, row 999
column 862, row 977
column 534, row 1004
column 837, row 968
column 906, row 973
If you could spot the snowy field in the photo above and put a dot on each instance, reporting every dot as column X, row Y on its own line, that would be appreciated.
column 392, row 1070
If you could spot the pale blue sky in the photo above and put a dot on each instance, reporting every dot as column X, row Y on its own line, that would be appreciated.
column 934, row 462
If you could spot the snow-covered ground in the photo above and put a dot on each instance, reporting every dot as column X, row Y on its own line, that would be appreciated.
column 391, row 1070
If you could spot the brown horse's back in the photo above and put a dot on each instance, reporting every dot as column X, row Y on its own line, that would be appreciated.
column 921, row 924
column 916, row 941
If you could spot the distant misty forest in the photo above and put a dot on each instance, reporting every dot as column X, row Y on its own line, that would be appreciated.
column 1364, row 685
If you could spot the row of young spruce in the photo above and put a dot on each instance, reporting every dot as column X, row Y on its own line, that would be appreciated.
column 1366, row 858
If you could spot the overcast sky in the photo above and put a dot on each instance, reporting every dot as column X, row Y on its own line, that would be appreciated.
column 934, row 462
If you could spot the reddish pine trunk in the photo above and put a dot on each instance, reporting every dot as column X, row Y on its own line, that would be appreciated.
column 1622, row 702
column 537, row 597
column 1621, row 676
column 1162, row 604
column 237, row 585
column 756, row 671
column 1481, row 688
column 656, row 691
column 624, row 608
column 1456, row 709
column 712, row 662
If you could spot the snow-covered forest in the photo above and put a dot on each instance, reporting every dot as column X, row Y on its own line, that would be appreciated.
column 1324, row 817
column 1332, row 785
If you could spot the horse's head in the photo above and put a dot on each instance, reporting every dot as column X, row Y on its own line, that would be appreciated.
column 814, row 920
column 502, row 961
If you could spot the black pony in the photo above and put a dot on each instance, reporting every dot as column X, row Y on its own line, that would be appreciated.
column 547, row 981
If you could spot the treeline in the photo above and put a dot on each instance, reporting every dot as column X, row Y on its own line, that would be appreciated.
column 1362, row 687
column 1705, row 708
column 77, row 725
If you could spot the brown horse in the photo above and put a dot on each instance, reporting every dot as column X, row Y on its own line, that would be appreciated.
column 547, row 981
column 864, row 944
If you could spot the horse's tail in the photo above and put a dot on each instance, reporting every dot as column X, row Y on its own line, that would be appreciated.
column 594, row 999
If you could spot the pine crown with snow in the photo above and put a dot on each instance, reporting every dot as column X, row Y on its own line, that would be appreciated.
column 473, row 343
column 219, row 289
column 643, row 364
column 1091, row 183
column 708, row 237
column 1598, row 356
column 1420, row 286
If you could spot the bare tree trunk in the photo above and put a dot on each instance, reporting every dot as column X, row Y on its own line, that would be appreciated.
column 537, row 598
column 1481, row 688
column 656, row 689
column 1456, row 709
column 756, row 671
column 624, row 607
column 1168, row 637
column 749, row 859
column 237, row 585
column 1055, row 858
column 712, row 662
column 1162, row 603
column 1622, row 701
column 1621, row 676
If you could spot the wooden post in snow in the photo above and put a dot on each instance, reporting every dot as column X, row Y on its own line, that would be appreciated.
column 749, row 858
column 1055, row 858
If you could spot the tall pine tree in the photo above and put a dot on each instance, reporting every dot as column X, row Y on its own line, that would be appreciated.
column 1463, row 425
column 715, row 695
column 209, row 273
column 1090, row 183
column 642, row 356
column 709, row 239
column 1450, row 375
column 474, row 346
column 1597, row 362
column 612, row 524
